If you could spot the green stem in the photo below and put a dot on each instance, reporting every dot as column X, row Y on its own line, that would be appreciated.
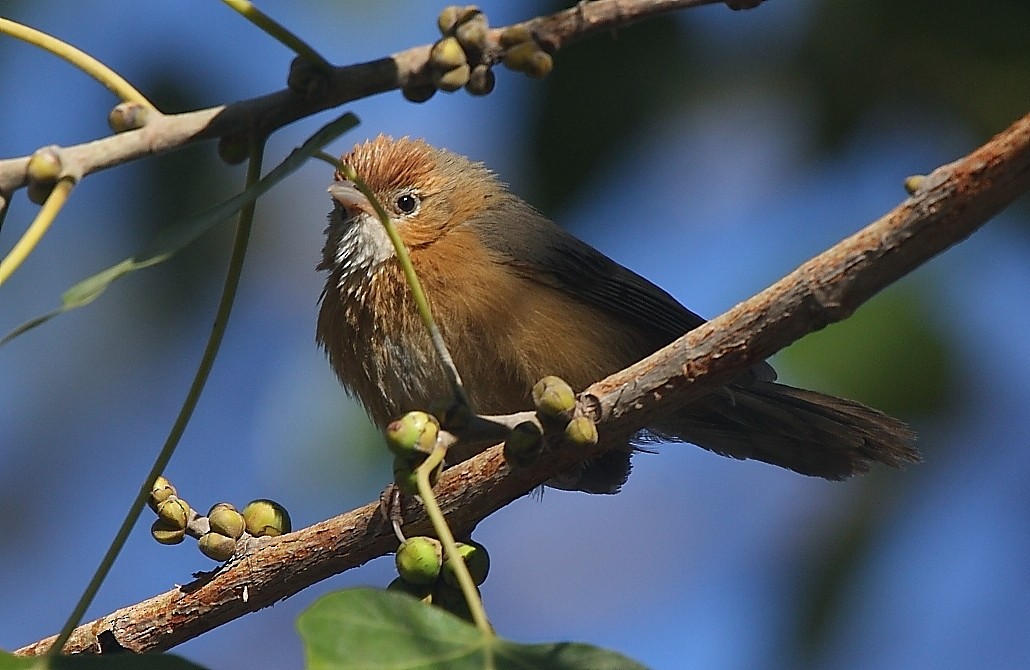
column 37, row 229
column 279, row 33
column 80, row 59
column 425, row 490
column 443, row 532
column 404, row 260
column 232, row 281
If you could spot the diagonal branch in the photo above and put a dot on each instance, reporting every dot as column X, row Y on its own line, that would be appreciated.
column 264, row 114
column 951, row 203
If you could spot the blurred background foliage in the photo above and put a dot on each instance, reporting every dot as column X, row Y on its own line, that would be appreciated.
column 712, row 151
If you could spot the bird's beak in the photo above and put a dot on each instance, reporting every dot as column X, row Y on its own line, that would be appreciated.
column 351, row 199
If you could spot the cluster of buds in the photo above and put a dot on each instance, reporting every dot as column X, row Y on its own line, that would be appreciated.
column 173, row 513
column 523, row 54
column 226, row 528
column 555, row 403
column 219, row 532
column 424, row 574
column 464, row 54
column 455, row 59
column 464, row 33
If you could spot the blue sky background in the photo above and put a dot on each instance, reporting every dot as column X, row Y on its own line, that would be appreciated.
column 701, row 562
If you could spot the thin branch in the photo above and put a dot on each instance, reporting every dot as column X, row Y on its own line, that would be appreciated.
column 80, row 59
column 265, row 114
column 558, row 30
column 953, row 202
column 249, row 11
column 37, row 229
column 244, row 225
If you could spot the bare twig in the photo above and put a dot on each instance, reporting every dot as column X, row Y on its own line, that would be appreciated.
column 953, row 202
column 267, row 113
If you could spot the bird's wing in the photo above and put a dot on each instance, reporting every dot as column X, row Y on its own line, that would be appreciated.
column 577, row 268
column 545, row 253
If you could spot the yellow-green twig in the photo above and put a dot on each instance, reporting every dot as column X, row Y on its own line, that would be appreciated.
column 425, row 489
column 37, row 229
column 80, row 59
column 279, row 32
column 443, row 532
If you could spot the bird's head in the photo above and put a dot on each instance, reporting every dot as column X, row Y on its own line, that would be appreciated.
column 425, row 191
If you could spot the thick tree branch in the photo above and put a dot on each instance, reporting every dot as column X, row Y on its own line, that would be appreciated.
column 267, row 113
column 951, row 204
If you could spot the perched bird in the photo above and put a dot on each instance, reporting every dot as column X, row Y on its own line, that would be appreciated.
column 517, row 298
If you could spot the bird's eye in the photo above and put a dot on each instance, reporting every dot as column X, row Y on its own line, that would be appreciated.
column 407, row 203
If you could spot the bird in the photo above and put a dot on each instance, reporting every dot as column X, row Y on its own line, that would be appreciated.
column 517, row 298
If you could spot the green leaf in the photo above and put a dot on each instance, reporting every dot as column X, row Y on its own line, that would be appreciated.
column 370, row 629
column 173, row 239
column 125, row 661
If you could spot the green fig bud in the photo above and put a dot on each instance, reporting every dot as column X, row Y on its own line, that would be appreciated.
column 448, row 18
column 419, row 559
column 554, row 398
column 45, row 165
column 166, row 533
column 418, row 92
column 308, row 79
column 175, row 512
column 423, row 592
column 472, row 33
column 39, row 191
column 515, row 35
column 225, row 520
column 447, row 54
column 476, row 559
column 43, row 170
column 581, row 432
column 523, row 444
column 413, row 435
column 453, row 80
column 216, row 546
column 161, row 490
column 539, row 65
column 481, row 80
column 127, row 116
column 516, row 57
column 266, row 518
column 404, row 476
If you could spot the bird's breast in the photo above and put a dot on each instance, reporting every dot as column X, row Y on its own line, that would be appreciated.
column 503, row 329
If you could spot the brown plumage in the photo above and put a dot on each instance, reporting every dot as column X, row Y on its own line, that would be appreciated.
column 517, row 298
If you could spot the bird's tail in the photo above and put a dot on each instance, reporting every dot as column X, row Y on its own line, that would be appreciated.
column 804, row 431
